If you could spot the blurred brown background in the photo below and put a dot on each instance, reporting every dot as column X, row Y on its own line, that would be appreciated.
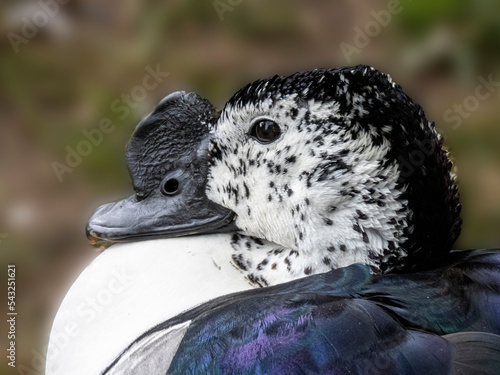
column 70, row 72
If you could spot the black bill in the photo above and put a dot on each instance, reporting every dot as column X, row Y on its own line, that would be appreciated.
column 168, row 162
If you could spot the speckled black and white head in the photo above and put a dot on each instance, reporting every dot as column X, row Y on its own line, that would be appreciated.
column 335, row 166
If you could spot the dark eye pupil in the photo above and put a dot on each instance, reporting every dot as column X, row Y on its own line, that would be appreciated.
column 170, row 186
column 265, row 131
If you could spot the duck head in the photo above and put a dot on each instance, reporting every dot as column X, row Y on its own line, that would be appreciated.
column 167, row 160
column 339, row 166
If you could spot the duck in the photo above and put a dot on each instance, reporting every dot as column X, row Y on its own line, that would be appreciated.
column 167, row 161
column 348, row 232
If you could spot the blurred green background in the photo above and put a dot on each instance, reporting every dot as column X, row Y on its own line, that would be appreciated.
column 87, row 54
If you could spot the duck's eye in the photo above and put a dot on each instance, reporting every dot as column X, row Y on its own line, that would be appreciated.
column 265, row 131
column 170, row 187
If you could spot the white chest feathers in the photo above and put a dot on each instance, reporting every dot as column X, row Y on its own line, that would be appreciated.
column 132, row 287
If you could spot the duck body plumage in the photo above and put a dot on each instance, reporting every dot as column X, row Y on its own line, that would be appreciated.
column 132, row 287
column 347, row 321
column 353, row 252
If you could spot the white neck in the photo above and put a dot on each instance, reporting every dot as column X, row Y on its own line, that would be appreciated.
column 132, row 287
